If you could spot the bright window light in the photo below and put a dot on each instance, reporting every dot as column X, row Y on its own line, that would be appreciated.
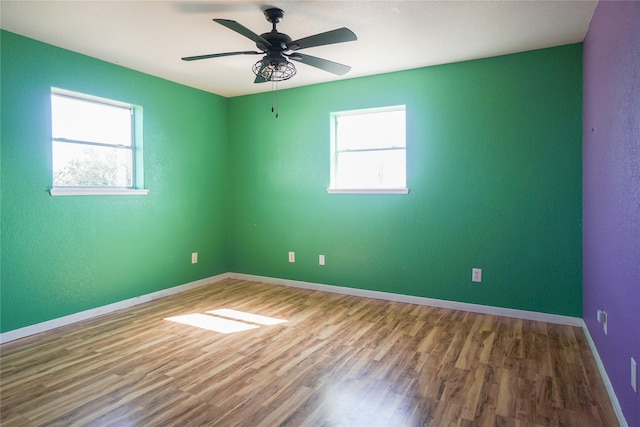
column 93, row 141
column 368, row 149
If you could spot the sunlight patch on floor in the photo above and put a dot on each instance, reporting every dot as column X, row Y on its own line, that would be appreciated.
column 246, row 317
column 212, row 323
column 225, row 320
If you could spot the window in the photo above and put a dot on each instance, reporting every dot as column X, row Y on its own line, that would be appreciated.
column 368, row 151
column 94, row 145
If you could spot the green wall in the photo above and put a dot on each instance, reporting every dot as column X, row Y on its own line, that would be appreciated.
column 61, row 255
column 494, row 171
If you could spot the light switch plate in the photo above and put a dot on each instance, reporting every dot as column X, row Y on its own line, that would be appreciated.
column 476, row 275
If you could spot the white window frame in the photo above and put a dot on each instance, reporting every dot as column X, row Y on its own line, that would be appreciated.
column 137, row 187
column 333, row 188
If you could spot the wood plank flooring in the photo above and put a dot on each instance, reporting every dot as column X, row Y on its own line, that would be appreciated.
column 338, row 361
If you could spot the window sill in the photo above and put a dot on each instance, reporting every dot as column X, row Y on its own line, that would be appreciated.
column 92, row 191
column 368, row 190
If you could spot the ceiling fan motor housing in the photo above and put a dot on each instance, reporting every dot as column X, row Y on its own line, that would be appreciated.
column 279, row 41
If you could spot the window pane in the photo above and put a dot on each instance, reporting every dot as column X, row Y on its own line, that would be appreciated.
column 93, row 166
column 371, row 130
column 83, row 120
column 371, row 169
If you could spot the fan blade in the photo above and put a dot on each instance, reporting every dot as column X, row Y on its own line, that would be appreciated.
column 217, row 55
column 241, row 29
column 340, row 35
column 323, row 64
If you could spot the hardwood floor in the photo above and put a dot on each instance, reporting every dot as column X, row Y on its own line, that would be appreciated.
column 338, row 361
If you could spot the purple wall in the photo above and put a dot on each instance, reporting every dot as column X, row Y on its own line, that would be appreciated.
column 611, row 192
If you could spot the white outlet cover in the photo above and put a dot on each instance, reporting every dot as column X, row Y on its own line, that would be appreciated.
column 292, row 257
column 194, row 258
column 321, row 259
column 476, row 275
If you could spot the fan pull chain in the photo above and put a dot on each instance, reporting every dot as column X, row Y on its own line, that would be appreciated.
column 277, row 106
column 274, row 94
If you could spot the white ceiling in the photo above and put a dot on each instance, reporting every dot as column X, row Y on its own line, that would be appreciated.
column 152, row 36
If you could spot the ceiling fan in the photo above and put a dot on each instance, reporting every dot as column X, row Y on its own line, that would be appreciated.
column 278, row 49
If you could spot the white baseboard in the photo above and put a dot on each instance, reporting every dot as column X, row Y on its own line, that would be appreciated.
column 475, row 308
column 605, row 378
column 98, row 311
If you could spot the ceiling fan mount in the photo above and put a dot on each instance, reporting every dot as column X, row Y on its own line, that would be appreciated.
column 273, row 14
column 278, row 48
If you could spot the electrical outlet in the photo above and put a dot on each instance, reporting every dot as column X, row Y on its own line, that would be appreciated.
column 194, row 258
column 602, row 318
column 634, row 375
column 321, row 259
column 292, row 257
column 476, row 275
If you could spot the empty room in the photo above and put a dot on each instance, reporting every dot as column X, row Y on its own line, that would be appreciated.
column 320, row 213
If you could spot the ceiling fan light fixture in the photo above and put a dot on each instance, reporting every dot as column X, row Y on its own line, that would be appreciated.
column 274, row 70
